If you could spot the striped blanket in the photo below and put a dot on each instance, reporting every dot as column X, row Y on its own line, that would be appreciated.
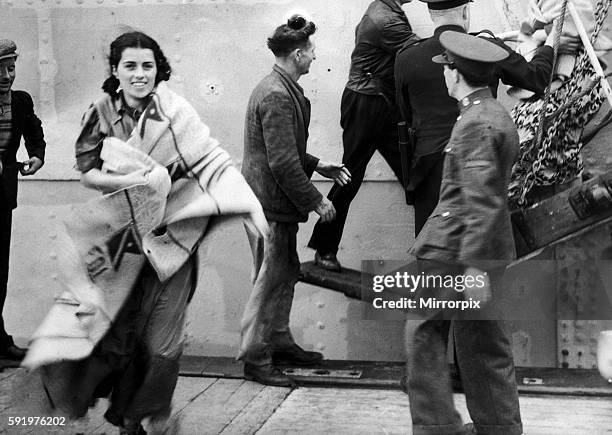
column 108, row 239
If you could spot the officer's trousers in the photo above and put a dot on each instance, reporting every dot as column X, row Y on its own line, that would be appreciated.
column 484, row 358
column 427, row 175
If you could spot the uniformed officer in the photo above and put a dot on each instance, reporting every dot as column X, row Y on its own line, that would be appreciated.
column 468, row 238
column 424, row 103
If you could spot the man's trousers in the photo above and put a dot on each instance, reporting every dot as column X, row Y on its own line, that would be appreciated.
column 276, row 268
column 484, row 358
column 427, row 178
column 369, row 123
column 6, row 217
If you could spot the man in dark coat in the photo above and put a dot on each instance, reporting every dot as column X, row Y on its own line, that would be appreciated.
column 369, row 115
column 278, row 169
column 468, row 238
column 424, row 103
column 17, row 120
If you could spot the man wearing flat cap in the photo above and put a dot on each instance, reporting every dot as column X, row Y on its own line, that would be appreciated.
column 468, row 236
column 425, row 105
column 17, row 120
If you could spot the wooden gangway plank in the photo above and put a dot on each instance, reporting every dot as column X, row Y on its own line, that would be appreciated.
column 348, row 281
column 234, row 406
column 387, row 374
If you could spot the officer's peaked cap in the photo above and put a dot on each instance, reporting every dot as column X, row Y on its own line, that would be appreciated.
column 438, row 5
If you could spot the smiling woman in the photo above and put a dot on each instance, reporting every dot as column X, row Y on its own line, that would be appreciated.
column 136, row 73
column 137, row 64
column 139, row 137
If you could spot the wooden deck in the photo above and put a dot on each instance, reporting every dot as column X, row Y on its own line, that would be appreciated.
column 235, row 406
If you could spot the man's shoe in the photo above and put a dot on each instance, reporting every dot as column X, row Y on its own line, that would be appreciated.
column 296, row 356
column 327, row 261
column 13, row 352
column 267, row 375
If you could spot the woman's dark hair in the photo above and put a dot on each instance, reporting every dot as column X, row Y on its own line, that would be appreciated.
column 134, row 40
column 290, row 36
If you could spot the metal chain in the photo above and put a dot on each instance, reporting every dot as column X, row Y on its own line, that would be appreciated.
column 537, row 164
column 540, row 142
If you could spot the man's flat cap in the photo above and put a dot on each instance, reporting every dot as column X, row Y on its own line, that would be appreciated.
column 439, row 5
column 8, row 49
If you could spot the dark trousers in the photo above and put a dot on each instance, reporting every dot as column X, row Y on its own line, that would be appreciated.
column 137, row 360
column 6, row 217
column 428, row 169
column 484, row 358
column 369, row 124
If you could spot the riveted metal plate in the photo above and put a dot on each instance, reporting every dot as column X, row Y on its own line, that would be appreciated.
column 583, row 286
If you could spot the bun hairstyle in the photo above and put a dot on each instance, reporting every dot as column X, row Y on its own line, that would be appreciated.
column 296, row 22
column 292, row 35
column 134, row 40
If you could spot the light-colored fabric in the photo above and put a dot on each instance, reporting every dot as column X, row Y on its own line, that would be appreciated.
column 163, row 221
column 545, row 11
column 542, row 12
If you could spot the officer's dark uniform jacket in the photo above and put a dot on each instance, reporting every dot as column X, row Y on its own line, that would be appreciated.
column 471, row 223
column 25, row 124
column 422, row 95
column 383, row 30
